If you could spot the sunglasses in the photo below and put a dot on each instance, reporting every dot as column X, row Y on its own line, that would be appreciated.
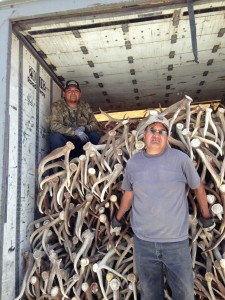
column 154, row 131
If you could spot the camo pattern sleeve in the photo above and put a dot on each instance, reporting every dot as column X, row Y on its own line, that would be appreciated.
column 60, row 120
column 65, row 120
column 86, row 117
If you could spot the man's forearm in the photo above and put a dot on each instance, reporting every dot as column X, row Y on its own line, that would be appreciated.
column 60, row 128
column 125, row 204
column 92, row 124
column 202, row 201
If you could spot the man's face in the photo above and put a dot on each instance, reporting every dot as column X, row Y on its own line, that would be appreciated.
column 72, row 95
column 155, row 142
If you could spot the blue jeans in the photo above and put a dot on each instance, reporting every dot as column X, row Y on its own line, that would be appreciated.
column 154, row 260
column 59, row 140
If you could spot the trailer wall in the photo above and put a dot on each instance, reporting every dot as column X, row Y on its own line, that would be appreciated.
column 31, row 92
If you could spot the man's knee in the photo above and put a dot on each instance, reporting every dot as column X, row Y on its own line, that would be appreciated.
column 57, row 140
column 94, row 137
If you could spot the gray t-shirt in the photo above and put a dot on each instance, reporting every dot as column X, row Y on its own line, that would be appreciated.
column 160, row 183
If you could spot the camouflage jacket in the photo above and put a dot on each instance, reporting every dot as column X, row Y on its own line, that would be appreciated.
column 65, row 120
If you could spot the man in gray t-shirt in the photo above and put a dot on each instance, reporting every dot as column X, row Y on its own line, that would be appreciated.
column 155, row 182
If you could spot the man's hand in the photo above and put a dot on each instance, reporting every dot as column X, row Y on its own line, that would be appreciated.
column 115, row 226
column 206, row 224
column 79, row 132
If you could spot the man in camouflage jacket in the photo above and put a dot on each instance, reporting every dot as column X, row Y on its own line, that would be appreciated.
column 72, row 120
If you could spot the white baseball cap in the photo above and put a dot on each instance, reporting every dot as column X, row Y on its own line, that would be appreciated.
column 157, row 119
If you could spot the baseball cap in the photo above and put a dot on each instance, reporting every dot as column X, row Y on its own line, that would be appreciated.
column 72, row 83
column 157, row 119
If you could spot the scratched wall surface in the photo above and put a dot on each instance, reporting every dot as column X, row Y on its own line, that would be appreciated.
column 47, row 95
column 8, row 276
column 29, row 108
column 56, row 92
column 28, row 143
column 44, row 110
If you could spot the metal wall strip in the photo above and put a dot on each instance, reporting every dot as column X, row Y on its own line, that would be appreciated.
column 4, row 137
column 37, row 133
column 19, row 168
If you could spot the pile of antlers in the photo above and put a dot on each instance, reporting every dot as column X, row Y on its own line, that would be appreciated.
column 74, row 253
